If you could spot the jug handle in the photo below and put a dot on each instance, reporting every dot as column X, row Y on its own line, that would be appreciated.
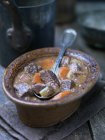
column 19, row 35
column 16, row 18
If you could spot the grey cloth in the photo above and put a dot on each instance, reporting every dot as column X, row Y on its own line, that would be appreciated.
column 11, row 123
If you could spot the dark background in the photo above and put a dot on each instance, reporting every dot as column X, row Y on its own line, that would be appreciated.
column 91, row 0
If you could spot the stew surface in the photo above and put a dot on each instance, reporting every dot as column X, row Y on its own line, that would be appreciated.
column 37, row 77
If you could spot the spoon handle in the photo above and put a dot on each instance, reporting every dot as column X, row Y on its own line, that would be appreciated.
column 68, row 39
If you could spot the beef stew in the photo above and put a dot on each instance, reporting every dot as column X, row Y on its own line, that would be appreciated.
column 37, row 77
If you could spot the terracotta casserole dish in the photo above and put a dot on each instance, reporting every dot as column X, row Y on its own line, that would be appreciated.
column 49, row 112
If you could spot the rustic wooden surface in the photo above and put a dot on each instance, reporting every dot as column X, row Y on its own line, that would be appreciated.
column 94, row 129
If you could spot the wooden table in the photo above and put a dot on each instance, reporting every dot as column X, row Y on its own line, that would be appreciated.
column 94, row 129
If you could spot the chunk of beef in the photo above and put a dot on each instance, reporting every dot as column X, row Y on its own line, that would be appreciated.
column 37, row 88
column 51, row 81
column 23, row 77
column 67, row 84
column 55, row 86
column 23, row 89
column 48, row 76
column 32, row 68
column 65, row 61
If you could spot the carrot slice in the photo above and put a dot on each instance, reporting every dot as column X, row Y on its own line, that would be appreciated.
column 47, row 63
column 37, row 78
column 63, row 72
column 62, row 94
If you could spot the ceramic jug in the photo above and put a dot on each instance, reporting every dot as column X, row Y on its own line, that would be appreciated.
column 25, row 25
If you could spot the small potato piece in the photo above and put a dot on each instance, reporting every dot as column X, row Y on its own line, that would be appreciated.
column 62, row 94
column 63, row 71
column 46, row 92
column 37, row 78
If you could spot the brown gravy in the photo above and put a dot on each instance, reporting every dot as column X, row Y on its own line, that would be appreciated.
column 77, row 71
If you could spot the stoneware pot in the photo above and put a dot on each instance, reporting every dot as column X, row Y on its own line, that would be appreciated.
column 93, row 28
column 49, row 112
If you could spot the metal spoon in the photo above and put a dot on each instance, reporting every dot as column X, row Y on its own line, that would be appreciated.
column 68, row 39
